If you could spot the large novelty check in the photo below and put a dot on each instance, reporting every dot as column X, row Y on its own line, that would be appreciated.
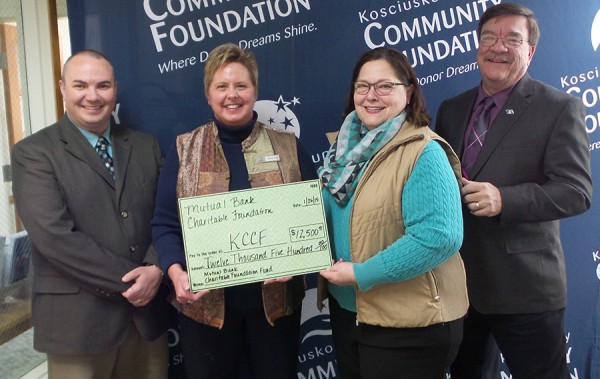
column 251, row 235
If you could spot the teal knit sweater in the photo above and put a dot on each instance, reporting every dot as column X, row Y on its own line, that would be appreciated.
column 431, row 210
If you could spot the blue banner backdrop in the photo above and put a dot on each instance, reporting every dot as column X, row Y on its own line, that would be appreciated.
column 306, row 50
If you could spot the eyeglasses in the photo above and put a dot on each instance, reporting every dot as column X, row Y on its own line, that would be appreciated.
column 381, row 88
column 489, row 40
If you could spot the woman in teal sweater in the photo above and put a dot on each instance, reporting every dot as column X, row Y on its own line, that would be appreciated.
column 397, row 291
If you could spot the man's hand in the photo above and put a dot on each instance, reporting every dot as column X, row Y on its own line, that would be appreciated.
column 146, row 282
column 482, row 199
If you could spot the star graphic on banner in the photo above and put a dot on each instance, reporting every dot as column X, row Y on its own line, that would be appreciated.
column 278, row 113
column 281, row 104
column 287, row 122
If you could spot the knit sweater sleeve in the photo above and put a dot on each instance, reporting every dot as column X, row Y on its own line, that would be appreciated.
column 431, row 209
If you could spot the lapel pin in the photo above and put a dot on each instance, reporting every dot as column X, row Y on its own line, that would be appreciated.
column 509, row 111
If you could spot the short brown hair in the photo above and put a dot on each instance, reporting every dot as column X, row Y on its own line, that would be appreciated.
column 513, row 9
column 228, row 53
column 88, row 52
column 416, row 110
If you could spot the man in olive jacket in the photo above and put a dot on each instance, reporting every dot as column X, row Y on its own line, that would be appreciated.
column 96, row 312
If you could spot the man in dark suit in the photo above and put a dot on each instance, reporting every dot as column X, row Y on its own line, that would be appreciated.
column 532, row 169
column 96, row 312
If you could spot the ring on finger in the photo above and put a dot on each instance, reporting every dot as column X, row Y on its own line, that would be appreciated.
column 477, row 205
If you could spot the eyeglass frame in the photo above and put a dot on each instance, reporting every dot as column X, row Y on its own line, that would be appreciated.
column 374, row 85
column 506, row 41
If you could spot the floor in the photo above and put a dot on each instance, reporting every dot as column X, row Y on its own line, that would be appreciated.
column 40, row 372
column 18, row 360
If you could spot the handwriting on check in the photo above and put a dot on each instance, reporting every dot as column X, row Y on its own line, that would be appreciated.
column 231, row 211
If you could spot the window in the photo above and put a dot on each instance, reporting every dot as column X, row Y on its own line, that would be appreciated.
column 17, row 18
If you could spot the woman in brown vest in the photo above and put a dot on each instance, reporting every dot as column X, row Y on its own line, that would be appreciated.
column 397, row 292
column 256, row 322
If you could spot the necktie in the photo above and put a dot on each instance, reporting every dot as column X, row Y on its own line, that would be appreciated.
column 102, row 149
column 476, row 135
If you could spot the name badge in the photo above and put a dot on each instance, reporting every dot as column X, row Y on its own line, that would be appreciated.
column 269, row 158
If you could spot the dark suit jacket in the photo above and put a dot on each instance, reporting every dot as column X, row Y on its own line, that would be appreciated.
column 536, row 153
column 87, row 231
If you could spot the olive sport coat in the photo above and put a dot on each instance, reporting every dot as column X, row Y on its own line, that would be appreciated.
column 87, row 231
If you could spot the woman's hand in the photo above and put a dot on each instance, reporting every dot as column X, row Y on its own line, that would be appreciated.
column 180, row 280
column 340, row 274
column 280, row 280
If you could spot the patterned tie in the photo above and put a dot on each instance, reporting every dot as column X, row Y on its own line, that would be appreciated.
column 102, row 149
column 477, row 134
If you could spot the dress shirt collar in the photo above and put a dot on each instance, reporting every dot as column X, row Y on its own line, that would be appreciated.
column 93, row 138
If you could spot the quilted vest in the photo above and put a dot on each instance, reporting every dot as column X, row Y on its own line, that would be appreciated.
column 436, row 296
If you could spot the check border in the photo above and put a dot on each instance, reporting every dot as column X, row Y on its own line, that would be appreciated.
column 252, row 235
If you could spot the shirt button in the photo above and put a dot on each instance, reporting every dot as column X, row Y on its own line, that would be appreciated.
column 124, row 214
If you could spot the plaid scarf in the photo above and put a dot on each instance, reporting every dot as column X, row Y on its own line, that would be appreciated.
column 354, row 147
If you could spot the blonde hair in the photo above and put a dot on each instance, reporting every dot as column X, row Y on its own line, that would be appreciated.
column 228, row 53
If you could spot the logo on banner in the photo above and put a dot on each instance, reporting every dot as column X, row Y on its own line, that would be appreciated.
column 585, row 86
column 596, row 31
column 318, row 322
column 277, row 114
column 316, row 358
